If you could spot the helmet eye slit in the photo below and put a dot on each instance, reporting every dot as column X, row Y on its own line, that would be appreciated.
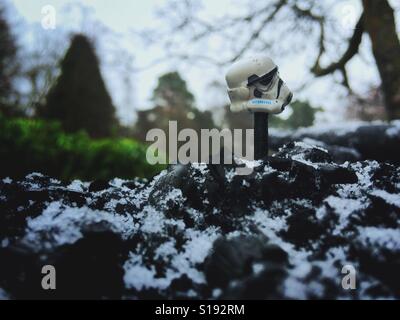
column 264, row 80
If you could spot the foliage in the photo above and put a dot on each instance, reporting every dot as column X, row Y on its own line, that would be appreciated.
column 174, row 102
column 172, row 90
column 35, row 145
column 303, row 115
column 79, row 99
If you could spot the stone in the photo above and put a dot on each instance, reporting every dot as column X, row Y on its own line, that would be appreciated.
column 201, row 231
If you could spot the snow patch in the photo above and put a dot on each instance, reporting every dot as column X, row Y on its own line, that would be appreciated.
column 380, row 238
column 59, row 225
column 394, row 132
column 390, row 198
column 7, row 180
column 194, row 251
column 76, row 185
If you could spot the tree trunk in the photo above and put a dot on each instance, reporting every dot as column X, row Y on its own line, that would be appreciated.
column 380, row 25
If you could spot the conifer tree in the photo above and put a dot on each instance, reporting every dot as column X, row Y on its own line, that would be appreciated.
column 79, row 98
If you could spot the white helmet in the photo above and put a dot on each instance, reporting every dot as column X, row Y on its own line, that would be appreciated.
column 254, row 84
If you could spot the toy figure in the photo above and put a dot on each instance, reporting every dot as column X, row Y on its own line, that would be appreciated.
column 254, row 85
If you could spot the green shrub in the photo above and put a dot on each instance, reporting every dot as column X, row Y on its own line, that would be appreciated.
column 28, row 145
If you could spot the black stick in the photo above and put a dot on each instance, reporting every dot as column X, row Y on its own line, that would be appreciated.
column 260, row 135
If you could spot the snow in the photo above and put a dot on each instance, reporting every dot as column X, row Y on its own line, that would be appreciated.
column 364, row 173
column 171, row 247
column 153, row 220
column 267, row 223
column 4, row 243
column 199, row 243
column 386, row 238
column 230, row 175
column 200, row 166
column 166, row 250
column 249, row 163
column 32, row 175
column 112, row 204
column 390, row 198
column 196, row 215
column 293, row 286
column 139, row 276
column 257, row 268
column 246, row 184
column 394, row 132
column 7, row 180
column 174, row 195
column 216, row 293
column 117, row 182
column 45, row 229
column 325, row 128
column 268, row 169
column 344, row 208
column 300, row 156
column 305, row 145
column 44, row 232
column 76, row 185
column 340, row 129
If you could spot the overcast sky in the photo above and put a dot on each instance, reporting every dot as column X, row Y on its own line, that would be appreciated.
column 124, row 16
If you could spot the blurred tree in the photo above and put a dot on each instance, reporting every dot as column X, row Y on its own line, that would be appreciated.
column 172, row 91
column 237, row 120
column 260, row 26
column 79, row 98
column 303, row 115
column 8, row 65
column 173, row 101
column 371, row 107
column 381, row 27
column 40, row 65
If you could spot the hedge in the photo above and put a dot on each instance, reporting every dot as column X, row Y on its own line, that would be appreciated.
column 33, row 145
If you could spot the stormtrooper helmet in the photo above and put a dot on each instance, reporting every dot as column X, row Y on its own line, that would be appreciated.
column 254, row 84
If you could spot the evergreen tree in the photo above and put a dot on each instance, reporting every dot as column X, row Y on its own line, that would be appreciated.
column 303, row 115
column 174, row 102
column 79, row 98
column 8, row 63
column 172, row 91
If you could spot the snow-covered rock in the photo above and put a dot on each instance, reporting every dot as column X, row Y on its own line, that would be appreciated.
column 348, row 141
column 202, row 231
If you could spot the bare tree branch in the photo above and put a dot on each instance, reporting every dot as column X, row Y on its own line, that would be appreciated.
column 257, row 32
column 251, row 29
column 352, row 50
